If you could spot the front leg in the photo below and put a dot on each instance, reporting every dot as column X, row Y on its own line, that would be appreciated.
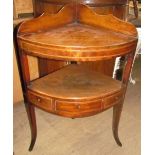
column 32, row 121
column 117, row 109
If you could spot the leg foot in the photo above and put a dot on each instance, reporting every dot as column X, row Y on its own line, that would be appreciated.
column 117, row 109
column 32, row 120
column 32, row 144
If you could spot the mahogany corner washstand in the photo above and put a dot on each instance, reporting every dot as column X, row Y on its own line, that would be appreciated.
column 75, row 34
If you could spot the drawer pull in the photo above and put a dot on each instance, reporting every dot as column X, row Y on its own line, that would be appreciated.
column 116, row 97
column 78, row 106
column 38, row 99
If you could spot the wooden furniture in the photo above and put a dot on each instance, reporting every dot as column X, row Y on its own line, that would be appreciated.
column 135, row 8
column 118, row 8
column 78, row 34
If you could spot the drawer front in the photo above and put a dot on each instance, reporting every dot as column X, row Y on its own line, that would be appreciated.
column 78, row 106
column 40, row 101
column 112, row 100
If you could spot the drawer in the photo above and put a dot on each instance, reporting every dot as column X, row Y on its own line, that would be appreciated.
column 40, row 101
column 112, row 100
column 68, row 106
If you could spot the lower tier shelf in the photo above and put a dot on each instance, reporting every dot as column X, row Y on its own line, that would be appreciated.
column 75, row 91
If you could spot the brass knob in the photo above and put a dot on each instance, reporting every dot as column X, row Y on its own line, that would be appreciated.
column 78, row 106
column 38, row 99
column 116, row 97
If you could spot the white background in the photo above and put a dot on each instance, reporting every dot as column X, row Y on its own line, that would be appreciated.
column 148, row 77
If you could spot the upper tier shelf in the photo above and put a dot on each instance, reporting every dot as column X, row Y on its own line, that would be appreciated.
column 77, row 33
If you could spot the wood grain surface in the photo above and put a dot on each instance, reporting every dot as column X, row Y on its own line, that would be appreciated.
column 75, row 82
column 75, row 91
column 118, row 8
column 72, row 39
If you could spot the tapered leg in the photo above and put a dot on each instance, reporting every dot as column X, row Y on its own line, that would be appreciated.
column 117, row 109
column 32, row 120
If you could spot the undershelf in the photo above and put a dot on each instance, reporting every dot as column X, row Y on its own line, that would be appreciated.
column 75, row 82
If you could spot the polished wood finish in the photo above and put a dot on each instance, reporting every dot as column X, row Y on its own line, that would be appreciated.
column 78, row 109
column 118, row 8
column 65, row 92
column 40, row 101
column 72, row 81
column 102, row 66
column 111, row 35
column 77, row 34
column 117, row 109
column 47, row 66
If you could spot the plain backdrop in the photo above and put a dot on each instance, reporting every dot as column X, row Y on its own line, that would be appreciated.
column 148, row 77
